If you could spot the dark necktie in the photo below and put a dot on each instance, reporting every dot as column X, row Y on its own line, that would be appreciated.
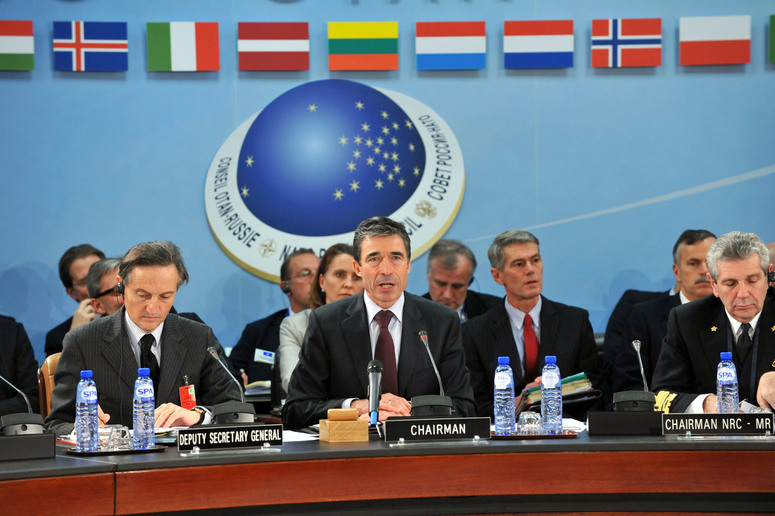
column 744, row 342
column 148, row 359
column 531, row 349
column 385, row 352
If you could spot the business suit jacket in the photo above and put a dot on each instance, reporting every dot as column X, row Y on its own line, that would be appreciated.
column 103, row 346
column 565, row 333
column 56, row 336
column 337, row 350
column 648, row 324
column 261, row 334
column 697, row 333
column 476, row 303
column 18, row 366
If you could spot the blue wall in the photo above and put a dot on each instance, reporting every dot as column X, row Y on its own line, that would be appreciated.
column 607, row 167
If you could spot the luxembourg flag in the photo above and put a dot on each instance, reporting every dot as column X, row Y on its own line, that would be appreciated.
column 538, row 44
column 451, row 45
column 715, row 40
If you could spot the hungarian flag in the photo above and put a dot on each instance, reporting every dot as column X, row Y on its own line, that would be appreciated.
column 715, row 40
column 538, row 44
column 451, row 45
column 363, row 45
column 90, row 46
column 17, row 47
column 626, row 42
column 183, row 47
column 273, row 45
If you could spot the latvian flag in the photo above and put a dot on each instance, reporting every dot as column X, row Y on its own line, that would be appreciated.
column 625, row 42
column 273, row 46
column 90, row 46
column 538, row 44
column 451, row 45
column 17, row 47
column 363, row 45
column 715, row 40
column 183, row 47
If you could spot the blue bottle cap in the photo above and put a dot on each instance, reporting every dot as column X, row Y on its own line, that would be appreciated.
column 551, row 359
column 144, row 371
column 503, row 360
column 86, row 373
column 726, row 355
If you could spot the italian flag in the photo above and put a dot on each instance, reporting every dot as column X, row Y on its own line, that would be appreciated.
column 363, row 45
column 183, row 47
column 17, row 47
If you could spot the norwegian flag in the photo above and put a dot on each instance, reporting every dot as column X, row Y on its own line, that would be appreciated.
column 625, row 42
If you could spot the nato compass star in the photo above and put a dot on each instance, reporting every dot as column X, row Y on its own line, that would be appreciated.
column 267, row 248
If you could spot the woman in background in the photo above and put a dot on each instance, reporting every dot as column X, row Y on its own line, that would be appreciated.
column 336, row 280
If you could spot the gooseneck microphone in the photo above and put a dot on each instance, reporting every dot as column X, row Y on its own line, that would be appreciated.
column 21, row 423
column 12, row 386
column 424, row 339
column 635, row 401
column 231, row 411
column 214, row 353
column 636, row 347
column 374, row 371
column 431, row 405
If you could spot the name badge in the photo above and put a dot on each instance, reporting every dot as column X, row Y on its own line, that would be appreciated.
column 222, row 437
column 263, row 356
column 436, row 429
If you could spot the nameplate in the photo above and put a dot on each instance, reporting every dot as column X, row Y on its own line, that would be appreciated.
column 221, row 437
column 717, row 424
column 436, row 429
column 263, row 356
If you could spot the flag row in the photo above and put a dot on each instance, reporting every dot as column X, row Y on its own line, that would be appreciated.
column 277, row 46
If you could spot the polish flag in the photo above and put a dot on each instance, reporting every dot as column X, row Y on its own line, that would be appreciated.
column 715, row 40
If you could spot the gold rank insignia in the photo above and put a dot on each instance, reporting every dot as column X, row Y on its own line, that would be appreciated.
column 713, row 328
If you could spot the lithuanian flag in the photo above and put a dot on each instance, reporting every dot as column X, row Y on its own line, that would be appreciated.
column 363, row 45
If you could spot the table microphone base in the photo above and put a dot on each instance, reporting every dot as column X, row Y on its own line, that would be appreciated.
column 233, row 412
column 22, row 423
column 634, row 401
column 431, row 406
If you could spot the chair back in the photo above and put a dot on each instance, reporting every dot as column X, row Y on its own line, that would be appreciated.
column 46, row 382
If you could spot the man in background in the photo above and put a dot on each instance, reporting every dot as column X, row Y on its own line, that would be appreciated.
column 103, row 287
column 18, row 366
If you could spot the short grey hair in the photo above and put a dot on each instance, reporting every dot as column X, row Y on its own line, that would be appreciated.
column 512, row 236
column 161, row 253
column 379, row 227
column 96, row 271
column 735, row 246
column 447, row 252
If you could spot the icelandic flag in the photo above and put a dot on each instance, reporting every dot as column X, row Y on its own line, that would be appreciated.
column 538, row 44
column 626, row 42
column 90, row 46
column 273, row 45
column 715, row 40
column 451, row 45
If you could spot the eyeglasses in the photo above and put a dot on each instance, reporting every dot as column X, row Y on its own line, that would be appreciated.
column 104, row 292
column 304, row 275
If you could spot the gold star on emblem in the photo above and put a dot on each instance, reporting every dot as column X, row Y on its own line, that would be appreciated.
column 713, row 328
column 342, row 140
column 395, row 125
column 312, row 108
column 369, row 160
column 358, row 140
column 411, row 147
column 384, row 115
column 351, row 166
column 356, row 154
column 408, row 124
column 338, row 195
column 417, row 171
column 359, row 105
column 249, row 162
column 379, row 184
column 401, row 183
column 365, row 127
column 354, row 186
column 245, row 191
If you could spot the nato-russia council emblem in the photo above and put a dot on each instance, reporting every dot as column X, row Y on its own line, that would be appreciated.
column 322, row 157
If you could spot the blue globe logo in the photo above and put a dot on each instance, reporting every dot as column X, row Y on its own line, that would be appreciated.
column 326, row 155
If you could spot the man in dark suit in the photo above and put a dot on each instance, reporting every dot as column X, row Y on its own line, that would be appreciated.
column 73, row 271
column 739, row 317
column 18, row 366
column 143, row 334
column 553, row 329
column 382, row 323
column 297, row 272
column 648, row 321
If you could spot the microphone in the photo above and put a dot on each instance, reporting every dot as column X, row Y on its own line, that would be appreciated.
column 21, row 423
column 431, row 405
column 231, row 411
column 375, row 389
column 636, row 347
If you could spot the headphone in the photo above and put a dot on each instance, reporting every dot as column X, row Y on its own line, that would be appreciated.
column 284, row 285
column 120, row 289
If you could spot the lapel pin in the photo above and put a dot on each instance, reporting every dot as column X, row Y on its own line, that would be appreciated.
column 714, row 328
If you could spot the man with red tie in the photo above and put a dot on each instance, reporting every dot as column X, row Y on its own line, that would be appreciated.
column 526, row 326
column 382, row 323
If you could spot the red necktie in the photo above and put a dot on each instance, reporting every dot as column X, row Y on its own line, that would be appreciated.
column 385, row 352
column 531, row 349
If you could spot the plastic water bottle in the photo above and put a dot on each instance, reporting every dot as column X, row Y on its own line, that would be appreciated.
column 726, row 385
column 551, row 397
column 143, row 407
column 86, row 422
column 504, row 398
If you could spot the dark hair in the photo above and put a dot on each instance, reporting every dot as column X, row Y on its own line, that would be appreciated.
column 75, row 253
column 735, row 246
column 511, row 236
column 447, row 252
column 379, row 227
column 689, row 237
column 96, row 271
column 317, row 297
column 150, row 254
column 285, row 268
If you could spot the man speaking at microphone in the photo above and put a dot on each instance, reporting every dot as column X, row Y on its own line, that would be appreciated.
column 382, row 323
column 143, row 334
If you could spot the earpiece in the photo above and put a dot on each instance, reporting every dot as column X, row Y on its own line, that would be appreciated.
column 286, row 287
column 120, row 289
